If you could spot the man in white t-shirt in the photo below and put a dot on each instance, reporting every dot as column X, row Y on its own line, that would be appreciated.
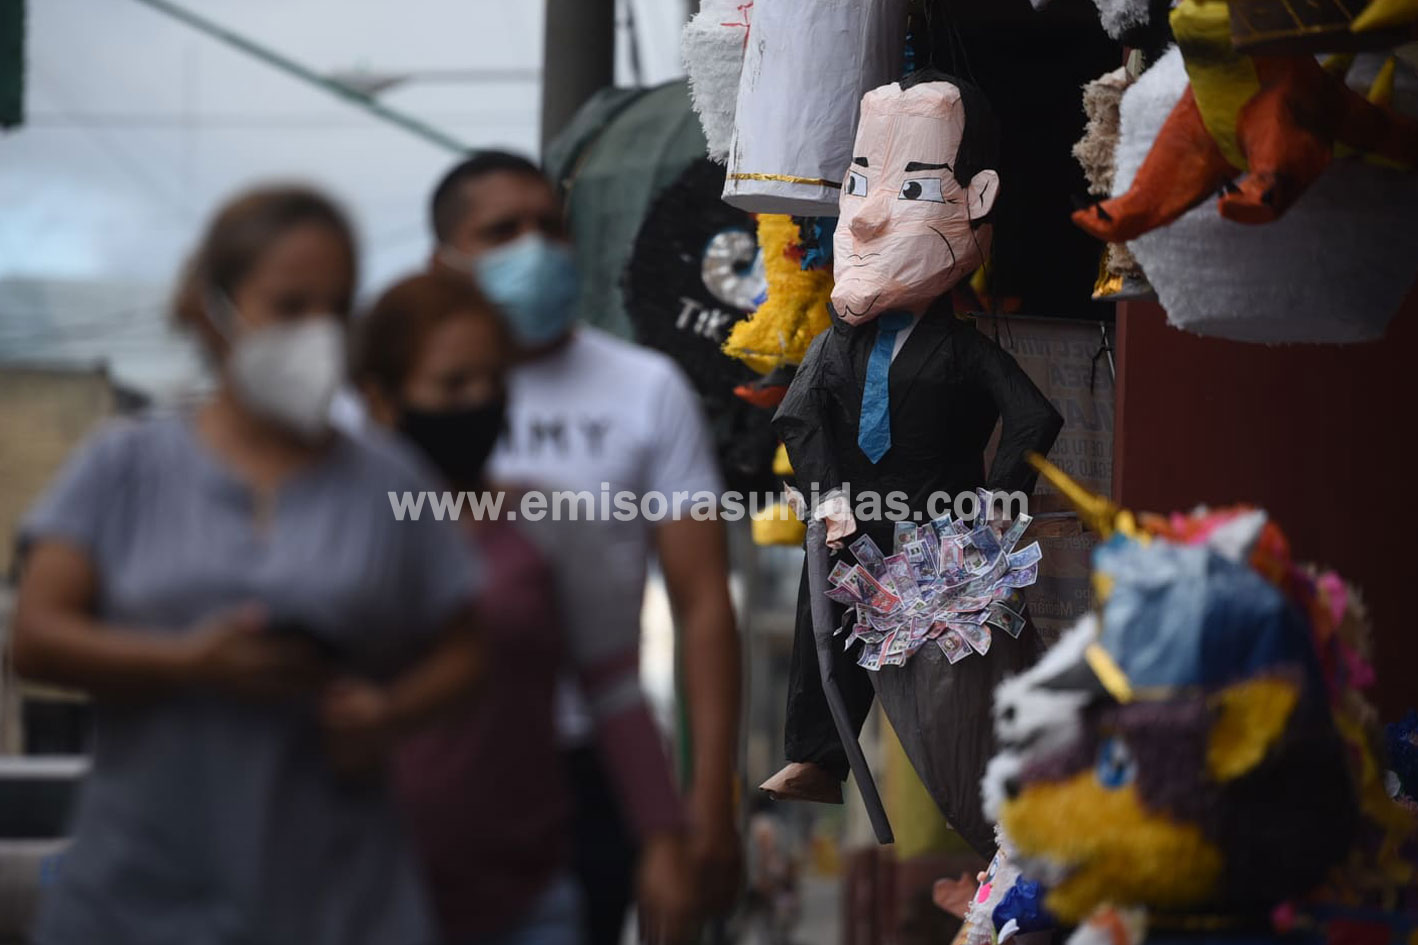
column 591, row 413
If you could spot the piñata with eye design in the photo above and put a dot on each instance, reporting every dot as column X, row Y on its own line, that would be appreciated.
column 694, row 274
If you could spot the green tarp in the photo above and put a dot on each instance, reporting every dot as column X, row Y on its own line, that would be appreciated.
column 622, row 148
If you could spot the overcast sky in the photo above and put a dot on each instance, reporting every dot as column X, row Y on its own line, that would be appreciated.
column 138, row 125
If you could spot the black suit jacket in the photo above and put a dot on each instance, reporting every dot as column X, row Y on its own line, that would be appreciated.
column 947, row 388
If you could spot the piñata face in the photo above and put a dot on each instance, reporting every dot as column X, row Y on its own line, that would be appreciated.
column 905, row 235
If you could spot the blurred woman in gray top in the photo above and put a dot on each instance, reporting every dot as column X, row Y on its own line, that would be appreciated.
column 254, row 624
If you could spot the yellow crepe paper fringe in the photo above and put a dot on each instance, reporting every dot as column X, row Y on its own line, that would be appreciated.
column 1252, row 717
column 1119, row 850
column 795, row 311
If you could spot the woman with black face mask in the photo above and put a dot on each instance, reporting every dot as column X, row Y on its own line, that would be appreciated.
column 484, row 792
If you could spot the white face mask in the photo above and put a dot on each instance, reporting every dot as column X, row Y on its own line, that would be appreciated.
column 288, row 372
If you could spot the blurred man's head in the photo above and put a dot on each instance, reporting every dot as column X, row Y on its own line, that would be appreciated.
column 491, row 199
column 497, row 218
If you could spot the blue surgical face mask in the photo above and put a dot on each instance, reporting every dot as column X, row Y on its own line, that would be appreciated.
column 533, row 281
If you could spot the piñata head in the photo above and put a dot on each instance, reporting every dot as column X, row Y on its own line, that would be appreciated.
column 1197, row 743
column 917, row 196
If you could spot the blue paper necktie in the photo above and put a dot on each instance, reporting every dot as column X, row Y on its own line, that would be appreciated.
column 874, row 431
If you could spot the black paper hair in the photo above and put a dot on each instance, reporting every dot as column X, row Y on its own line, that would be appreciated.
column 979, row 144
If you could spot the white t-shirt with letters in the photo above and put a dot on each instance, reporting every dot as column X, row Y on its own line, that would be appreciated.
column 607, row 417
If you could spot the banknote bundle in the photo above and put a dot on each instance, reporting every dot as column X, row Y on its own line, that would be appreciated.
column 947, row 583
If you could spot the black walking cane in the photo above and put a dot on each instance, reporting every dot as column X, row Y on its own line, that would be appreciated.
column 822, row 630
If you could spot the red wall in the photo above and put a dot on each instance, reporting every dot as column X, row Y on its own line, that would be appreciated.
column 1321, row 436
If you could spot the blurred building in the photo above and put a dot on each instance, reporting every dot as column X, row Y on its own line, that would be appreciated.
column 86, row 323
column 44, row 413
column 73, row 353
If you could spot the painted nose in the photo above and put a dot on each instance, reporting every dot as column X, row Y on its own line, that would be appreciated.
column 870, row 221
column 1011, row 787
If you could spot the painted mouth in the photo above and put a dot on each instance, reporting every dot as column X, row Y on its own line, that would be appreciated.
column 870, row 306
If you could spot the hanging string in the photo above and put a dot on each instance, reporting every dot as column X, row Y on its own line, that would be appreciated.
column 1105, row 349
column 989, row 273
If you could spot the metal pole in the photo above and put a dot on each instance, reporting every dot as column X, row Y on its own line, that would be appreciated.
column 291, row 67
column 578, row 59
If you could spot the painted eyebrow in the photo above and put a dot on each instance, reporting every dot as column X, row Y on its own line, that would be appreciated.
column 919, row 166
column 860, row 162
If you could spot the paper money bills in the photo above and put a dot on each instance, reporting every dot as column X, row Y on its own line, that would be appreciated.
column 1025, row 557
column 1007, row 618
column 903, row 533
column 950, row 582
column 1023, row 578
column 899, row 570
column 983, row 537
column 953, row 645
column 922, row 562
column 868, row 555
column 1016, row 531
column 977, row 635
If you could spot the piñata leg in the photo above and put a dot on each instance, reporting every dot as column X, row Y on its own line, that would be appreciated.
column 1287, row 133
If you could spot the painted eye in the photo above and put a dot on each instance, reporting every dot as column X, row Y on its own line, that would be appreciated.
column 1116, row 766
column 856, row 184
column 922, row 188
